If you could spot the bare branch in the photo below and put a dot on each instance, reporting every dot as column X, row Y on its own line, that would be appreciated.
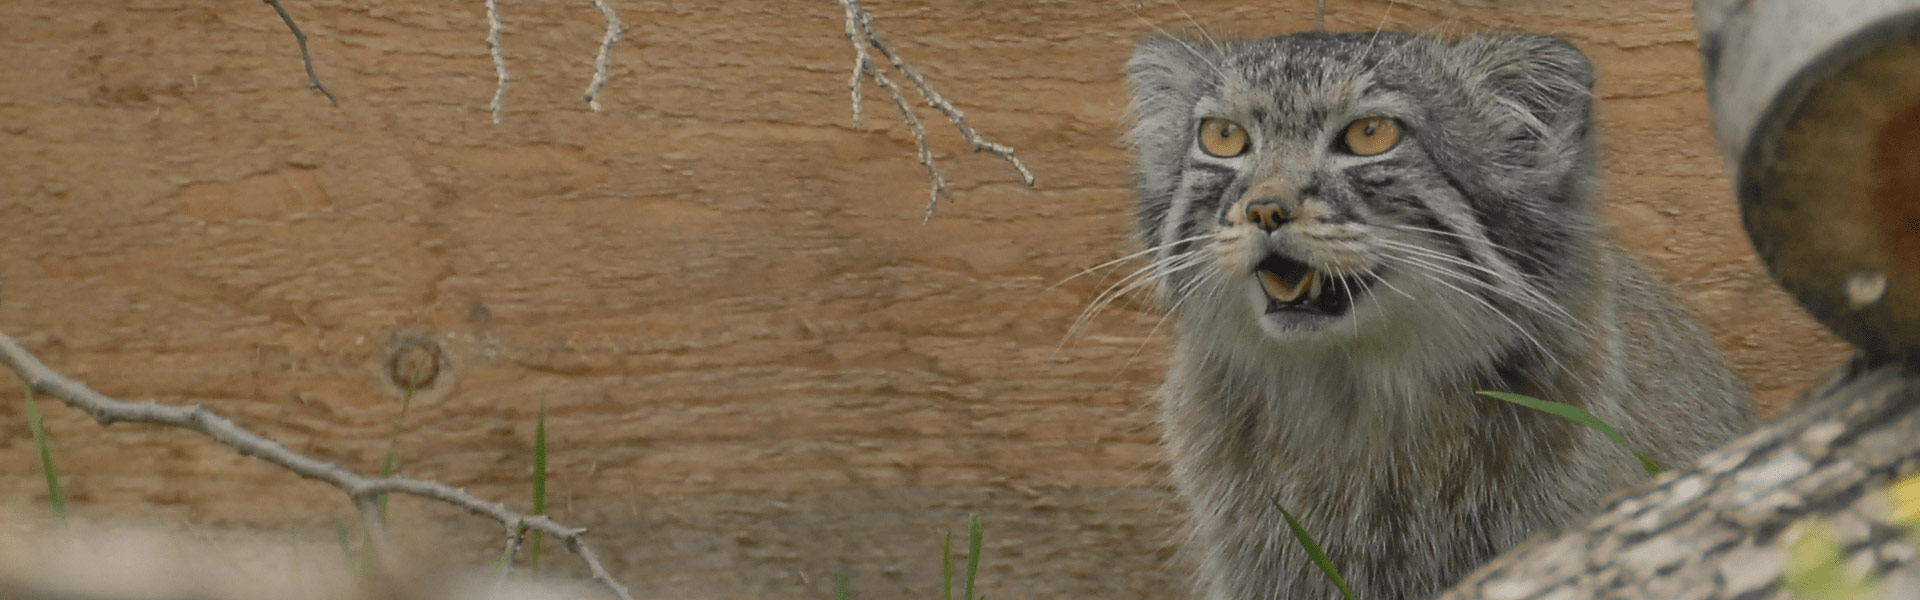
column 298, row 36
column 604, row 63
column 516, row 534
column 863, row 64
column 369, row 507
column 862, row 34
column 860, row 65
column 935, row 100
column 363, row 491
column 499, row 62
column 599, row 571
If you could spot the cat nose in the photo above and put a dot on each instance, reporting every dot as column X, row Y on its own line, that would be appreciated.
column 1267, row 214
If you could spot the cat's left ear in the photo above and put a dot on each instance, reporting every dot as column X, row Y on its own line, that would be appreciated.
column 1540, row 84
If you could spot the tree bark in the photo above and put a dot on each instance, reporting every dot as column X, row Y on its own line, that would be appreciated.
column 1721, row 527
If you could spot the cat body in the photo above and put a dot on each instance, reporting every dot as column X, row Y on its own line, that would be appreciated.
column 1358, row 232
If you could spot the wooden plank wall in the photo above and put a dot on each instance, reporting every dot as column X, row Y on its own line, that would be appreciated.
column 759, row 365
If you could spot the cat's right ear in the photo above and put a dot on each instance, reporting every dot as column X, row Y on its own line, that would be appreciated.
column 1166, row 74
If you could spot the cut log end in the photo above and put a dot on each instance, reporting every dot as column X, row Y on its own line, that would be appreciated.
column 1830, row 187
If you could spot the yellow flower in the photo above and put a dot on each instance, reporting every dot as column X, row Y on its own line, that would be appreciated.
column 1905, row 496
column 1815, row 568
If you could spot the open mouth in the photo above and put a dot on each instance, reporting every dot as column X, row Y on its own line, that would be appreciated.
column 1293, row 286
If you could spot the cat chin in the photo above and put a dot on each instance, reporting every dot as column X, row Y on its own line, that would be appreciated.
column 1289, row 327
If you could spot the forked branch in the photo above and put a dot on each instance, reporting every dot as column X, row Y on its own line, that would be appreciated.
column 863, row 35
column 362, row 491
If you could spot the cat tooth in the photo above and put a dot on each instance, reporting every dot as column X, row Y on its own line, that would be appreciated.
column 1313, row 285
column 1278, row 289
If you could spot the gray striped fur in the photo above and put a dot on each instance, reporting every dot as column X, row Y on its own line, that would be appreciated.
column 1494, row 273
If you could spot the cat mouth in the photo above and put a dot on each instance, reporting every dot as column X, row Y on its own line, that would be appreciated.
column 1292, row 286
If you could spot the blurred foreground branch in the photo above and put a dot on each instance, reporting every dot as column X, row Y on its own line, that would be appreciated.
column 1723, row 527
column 363, row 491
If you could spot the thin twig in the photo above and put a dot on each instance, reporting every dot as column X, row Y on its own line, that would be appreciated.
column 861, row 32
column 499, row 61
column 578, row 546
column 864, row 64
column 1322, row 15
column 376, row 523
column 604, row 63
column 298, row 36
column 516, row 534
column 860, row 64
column 940, row 103
column 363, row 491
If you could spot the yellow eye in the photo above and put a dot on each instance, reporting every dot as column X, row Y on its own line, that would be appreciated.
column 1372, row 135
column 1222, row 138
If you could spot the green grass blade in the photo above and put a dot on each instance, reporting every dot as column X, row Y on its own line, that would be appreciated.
column 369, row 555
column 1577, row 415
column 55, row 496
column 393, row 447
column 946, row 568
column 1313, row 550
column 362, row 562
column 539, row 482
column 840, row 585
column 975, row 533
column 346, row 543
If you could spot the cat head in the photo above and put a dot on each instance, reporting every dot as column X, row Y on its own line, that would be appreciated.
column 1321, row 187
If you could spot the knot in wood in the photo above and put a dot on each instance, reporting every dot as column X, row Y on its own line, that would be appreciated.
column 414, row 364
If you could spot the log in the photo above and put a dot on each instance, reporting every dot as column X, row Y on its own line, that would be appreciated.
column 1721, row 528
column 1816, row 104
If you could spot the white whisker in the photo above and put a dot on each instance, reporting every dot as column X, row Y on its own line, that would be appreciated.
column 1191, row 291
column 1377, row 28
column 1146, row 275
column 1122, row 259
column 1526, row 295
column 1183, row 43
column 1196, row 25
column 1431, row 269
column 1490, row 243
